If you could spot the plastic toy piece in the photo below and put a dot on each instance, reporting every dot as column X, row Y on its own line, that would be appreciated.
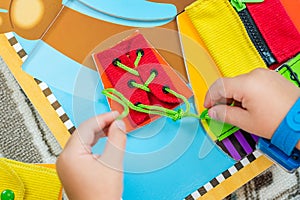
column 141, row 79
column 220, row 129
column 289, row 163
column 137, row 10
column 240, row 4
column 7, row 195
column 291, row 69
column 121, row 74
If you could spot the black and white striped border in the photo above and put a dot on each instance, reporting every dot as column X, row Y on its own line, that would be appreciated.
column 43, row 86
column 16, row 45
column 224, row 175
column 56, row 105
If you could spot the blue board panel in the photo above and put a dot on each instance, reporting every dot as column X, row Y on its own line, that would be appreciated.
column 27, row 45
column 137, row 10
column 77, row 88
column 164, row 159
column 78, row 109
column 95, row 13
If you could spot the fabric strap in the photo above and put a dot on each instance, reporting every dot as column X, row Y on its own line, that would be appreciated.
column 287, row 134
column 29, row 181
column 277, row 28
column 225, row 37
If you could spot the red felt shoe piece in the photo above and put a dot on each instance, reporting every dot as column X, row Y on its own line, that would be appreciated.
column 150, row 64
column 277, row 28
column 159, row 83
column 134, row 95
column 120, row 80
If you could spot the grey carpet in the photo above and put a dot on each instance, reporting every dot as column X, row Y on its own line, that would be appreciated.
column 25, row 137
column 274, row 184
column 23, row 134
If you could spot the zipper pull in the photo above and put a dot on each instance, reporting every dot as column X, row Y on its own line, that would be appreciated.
column 240, row 4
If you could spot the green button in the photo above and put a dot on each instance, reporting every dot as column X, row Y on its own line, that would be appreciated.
column 7, row 195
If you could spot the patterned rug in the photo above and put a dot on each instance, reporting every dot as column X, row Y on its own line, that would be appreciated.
column 25, row 137
column 23, row 134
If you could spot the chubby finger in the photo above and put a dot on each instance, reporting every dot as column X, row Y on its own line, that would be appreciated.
column 224, row 90
column 99, row 123
column 114, row 149
column 90, row 131
column 233, row 115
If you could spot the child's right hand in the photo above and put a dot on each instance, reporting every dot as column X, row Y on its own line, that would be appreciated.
column 262, row 98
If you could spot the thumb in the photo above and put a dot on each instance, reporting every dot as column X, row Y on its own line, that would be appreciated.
column 233, row 115
column 115, row 146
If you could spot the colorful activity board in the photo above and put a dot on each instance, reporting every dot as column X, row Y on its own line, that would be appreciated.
column 69, row 52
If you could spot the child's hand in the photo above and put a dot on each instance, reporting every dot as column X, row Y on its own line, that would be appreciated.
column 87, row 176
column 262, row 98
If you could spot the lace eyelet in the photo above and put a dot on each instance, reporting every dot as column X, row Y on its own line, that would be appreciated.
column 164, row 89
column 137, row 103
column 115, row 61
column 140, row 51
column 154, row 71
column 129, row 83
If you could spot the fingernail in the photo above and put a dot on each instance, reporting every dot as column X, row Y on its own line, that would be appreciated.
column 121, row 125
column 212, row 114
column 115, row 114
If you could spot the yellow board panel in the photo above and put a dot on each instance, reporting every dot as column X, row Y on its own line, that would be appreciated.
column 33, row 92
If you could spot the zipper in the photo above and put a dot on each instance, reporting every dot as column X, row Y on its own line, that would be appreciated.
column 253, row 31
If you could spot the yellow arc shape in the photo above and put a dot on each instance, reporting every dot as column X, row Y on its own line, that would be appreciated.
column 26, row 14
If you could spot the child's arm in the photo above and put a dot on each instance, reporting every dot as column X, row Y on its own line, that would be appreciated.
column 88, row 176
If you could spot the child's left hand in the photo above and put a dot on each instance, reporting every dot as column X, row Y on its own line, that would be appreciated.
column 88, row 176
